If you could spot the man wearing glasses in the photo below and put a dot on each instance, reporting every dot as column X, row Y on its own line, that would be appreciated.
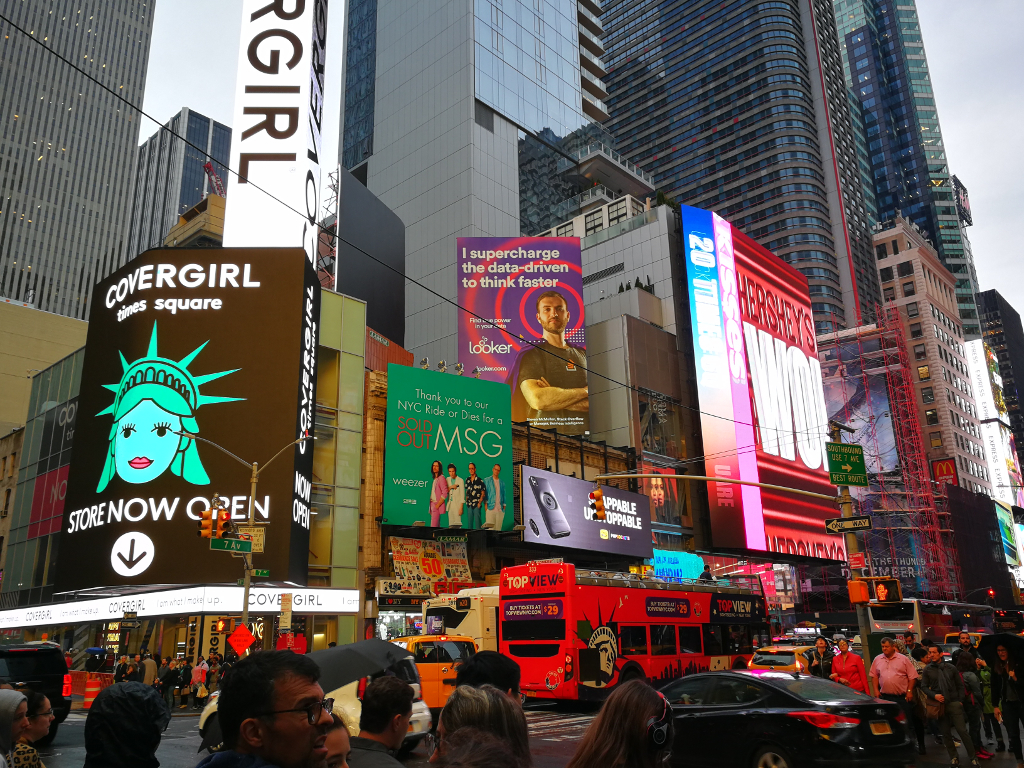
column 272, row 708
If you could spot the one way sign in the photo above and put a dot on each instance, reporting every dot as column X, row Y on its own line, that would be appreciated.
column 846, row 524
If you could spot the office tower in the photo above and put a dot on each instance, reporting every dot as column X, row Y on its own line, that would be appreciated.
column 169, row 176
column 915, row 280
column 1002, row 332
column 68, row 146
column 475, row 120
column 885, row 65
column 741, row 108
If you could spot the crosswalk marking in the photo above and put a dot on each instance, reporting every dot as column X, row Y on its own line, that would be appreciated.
column 555, row 726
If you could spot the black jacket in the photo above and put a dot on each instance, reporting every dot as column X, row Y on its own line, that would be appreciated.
column 124, row 726
column 824, row 666
column 185, row 676
column 1000, row 684
column 119, row 672
column 942, row 677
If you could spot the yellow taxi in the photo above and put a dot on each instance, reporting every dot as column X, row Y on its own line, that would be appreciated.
column 953, row 639
column 781, row 658
column 436, row 657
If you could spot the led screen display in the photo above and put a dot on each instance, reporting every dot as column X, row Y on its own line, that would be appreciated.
column 759, row 385
column 531, row 288
column 187, row 346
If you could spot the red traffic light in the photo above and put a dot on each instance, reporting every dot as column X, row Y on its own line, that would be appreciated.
column 991, row 592
column 223, row 521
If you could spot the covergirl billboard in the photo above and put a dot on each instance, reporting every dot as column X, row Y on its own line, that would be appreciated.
column 759, row 386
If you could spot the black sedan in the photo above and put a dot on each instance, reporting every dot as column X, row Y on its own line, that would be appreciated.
column 767, row 719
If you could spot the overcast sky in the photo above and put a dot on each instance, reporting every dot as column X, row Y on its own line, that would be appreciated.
column 974, row 58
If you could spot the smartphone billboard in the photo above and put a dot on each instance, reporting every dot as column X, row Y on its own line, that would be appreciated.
column 187, row 346
column 759, row 386
column 556, row 512
column 525, row 325
column 448, row 460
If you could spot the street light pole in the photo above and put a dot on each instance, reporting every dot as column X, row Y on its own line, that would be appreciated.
column 255, row 469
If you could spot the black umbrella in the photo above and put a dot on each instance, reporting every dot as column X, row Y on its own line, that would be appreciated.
column 345, row 664
column 1013, row 643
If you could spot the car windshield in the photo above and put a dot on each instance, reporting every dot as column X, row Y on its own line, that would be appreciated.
column 815, row 689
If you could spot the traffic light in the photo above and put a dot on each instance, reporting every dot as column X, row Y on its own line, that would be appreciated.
column 206, row 524
column 225, row 626
column 858, row 591
column 597, row 504
column 888, row 591
column 223, row 521
column 991, row 596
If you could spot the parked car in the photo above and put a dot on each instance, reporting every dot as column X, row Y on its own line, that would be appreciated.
column 41, row 667
column 758, row 718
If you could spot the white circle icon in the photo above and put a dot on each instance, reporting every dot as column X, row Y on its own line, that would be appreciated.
column 132, row 554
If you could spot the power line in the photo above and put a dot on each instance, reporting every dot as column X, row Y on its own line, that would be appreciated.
column 337, row 236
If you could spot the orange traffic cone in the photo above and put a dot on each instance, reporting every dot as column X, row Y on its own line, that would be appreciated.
column 92, row 687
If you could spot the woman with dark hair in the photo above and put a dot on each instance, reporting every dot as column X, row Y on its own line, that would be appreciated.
column 40, row 715
column 438, row 494
column 1008, row 698
column 489, row 710
column 632, row 730
column 819, row 659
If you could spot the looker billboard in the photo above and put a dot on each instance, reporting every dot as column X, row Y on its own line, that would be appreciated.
column 448, row 460
column 525, row 325
column 187, row 346
column 759, row 386
column 1007, row 533
column 557, row 512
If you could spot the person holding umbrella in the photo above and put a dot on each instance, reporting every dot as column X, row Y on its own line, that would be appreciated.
column 1008, row 697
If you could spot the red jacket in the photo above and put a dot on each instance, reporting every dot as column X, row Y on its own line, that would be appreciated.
column 851, row 668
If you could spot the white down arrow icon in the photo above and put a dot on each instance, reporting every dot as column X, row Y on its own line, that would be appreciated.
column 132, row 554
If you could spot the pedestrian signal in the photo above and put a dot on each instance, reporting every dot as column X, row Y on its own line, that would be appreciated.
column 206, row 524
column 888, row 591
column 858, row 592
column 597, row 504
column 224, row 626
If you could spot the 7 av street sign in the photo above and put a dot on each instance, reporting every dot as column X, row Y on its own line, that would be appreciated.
column 231, row 545
column 846, row 464
column 847, row 524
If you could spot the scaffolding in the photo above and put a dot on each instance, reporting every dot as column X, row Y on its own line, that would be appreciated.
column 868, row 387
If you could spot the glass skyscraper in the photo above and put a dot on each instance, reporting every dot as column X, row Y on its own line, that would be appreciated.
column 169, row 176
column 740, row 107
column 475, row 118
column 887, row 71
column 67, row 146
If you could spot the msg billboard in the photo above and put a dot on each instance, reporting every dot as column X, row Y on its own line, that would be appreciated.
column 756, row 365
column 556, row 512
column 448, row 455
column 531, row 288
column 219, row 344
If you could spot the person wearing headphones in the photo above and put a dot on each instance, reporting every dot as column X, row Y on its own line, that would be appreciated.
column 632, row 730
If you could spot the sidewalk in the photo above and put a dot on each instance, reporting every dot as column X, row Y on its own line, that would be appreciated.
column 937, row 756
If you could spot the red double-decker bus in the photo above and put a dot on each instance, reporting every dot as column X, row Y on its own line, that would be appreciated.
column 576, row 634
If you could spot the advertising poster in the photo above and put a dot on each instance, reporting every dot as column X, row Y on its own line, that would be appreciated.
column 759, row 386
column 668, row 501
column 531, row 288
column 419, row 561
column 1008, row 533
column 178, row 348
column 449, row 443
column 677, row 565
column 944, row 472
column 556, row 512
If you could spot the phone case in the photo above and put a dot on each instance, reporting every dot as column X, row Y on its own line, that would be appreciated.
column 550, row 510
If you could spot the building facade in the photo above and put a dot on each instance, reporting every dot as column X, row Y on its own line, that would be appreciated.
column 887, row 71
column 68, row 147
column 915, row 280
column 1002, row 332
column 741, row 109
column 169, row 176
column 474, row 119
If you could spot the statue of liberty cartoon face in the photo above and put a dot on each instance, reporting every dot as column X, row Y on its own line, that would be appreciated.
column 155, row 398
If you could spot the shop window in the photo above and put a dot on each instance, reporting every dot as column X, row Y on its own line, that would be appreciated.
column 936, row 439
column 663, row 640
column 633, row 641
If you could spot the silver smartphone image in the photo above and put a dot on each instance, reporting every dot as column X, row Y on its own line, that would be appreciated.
column 554, row 517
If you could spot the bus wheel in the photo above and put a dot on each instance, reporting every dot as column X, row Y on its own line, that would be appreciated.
column 740, row 663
